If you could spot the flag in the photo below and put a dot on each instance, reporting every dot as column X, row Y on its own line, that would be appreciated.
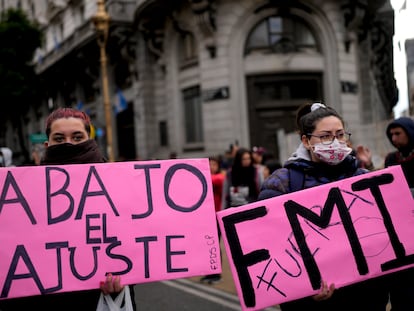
column 121, row 103
column 79, row 105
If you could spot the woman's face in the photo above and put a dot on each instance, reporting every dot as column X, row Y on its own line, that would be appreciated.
column 327, row 126
column 67, row 130
column 246, row 159
column 214, row 167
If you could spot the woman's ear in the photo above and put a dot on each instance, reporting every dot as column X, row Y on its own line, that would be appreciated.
column 305, row 142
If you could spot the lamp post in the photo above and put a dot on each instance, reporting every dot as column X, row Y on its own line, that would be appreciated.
column 101, row 22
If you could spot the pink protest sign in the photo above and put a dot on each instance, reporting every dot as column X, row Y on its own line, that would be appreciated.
column 281, row 248
column 64, row 227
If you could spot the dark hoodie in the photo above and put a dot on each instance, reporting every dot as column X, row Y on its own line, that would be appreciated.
column 404, row 156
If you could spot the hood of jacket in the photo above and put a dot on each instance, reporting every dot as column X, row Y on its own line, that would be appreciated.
column 408, row 125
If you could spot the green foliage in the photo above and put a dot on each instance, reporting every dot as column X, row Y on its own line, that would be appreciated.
column 19, row 39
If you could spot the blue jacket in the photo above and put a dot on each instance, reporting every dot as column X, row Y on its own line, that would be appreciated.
column 311, row 173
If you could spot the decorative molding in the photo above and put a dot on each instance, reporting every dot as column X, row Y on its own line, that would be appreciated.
column 205, row 13
column 355, row 15
column 153, row 36
column 182, row 28
column 54, row 7
column 125, row 43
column 381, row 41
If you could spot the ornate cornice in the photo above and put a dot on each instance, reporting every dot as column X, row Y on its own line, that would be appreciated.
column 355, row 17
column 381, row 34
column 205, row 13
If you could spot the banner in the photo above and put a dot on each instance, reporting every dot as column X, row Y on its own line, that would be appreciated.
column 280, row 249
column 64, row 227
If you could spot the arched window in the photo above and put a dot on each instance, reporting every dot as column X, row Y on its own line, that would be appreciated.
column 281, row 34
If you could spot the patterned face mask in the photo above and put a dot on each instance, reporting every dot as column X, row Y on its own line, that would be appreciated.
column 332, row 154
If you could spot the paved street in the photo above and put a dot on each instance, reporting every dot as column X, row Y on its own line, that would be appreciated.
column 190, row 294
column 185, row 295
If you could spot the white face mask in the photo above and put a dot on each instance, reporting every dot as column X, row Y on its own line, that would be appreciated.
column 332, row 154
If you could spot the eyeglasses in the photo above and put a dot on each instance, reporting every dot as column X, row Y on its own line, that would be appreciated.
column 327, row 139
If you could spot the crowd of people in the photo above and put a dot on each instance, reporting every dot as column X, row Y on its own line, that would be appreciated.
column 244, row 175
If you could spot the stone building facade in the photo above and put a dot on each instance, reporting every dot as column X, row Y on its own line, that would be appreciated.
column 198, row 75
column 409, row 50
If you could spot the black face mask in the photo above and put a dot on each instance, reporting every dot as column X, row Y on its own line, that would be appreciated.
column 86, row 152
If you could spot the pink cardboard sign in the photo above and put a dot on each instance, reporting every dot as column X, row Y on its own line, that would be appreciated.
column 281, row 248
column 64, row 227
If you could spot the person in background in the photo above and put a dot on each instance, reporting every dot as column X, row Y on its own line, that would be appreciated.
column 243, row 180
column 217, row 179
column 400, row 133
column 269, row 167
column 68, row 132
column 257, row 156
column 363, row 155
column 6, row 157
column 323, row 157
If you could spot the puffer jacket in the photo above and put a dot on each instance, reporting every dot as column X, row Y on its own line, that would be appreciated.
column 314, row 174
column 370, row 293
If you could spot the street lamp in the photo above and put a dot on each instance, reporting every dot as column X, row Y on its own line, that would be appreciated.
column 101, row 22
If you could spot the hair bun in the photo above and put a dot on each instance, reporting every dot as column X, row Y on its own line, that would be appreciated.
column 316, row 106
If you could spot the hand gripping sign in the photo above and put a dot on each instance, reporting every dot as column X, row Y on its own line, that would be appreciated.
column 64, row 227
column 280, row 249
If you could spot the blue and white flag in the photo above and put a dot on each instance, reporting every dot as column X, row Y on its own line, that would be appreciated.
column 121, row 102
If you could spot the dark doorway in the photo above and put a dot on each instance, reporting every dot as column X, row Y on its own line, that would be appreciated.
column 126, row 134
column 273, row 101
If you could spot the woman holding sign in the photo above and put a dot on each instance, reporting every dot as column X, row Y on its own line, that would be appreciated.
column 323, row 157
column 68, row 132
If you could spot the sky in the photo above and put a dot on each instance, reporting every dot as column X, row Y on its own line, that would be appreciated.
column 403, row 30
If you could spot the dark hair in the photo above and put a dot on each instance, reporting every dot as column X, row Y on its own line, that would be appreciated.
column 217, row 160
column 272, row 165
column 244, row 176
column 61, row 113
column 306, row 119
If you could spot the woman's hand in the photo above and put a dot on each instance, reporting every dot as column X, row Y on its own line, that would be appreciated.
column 364, row 155
column 112, row 284
column 325, row 293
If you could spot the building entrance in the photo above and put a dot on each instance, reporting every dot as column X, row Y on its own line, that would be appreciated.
column 273, row 101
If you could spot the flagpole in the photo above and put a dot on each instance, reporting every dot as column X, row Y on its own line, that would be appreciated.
column 101, row 21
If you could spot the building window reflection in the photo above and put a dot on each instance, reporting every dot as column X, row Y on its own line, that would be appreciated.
column 279, row 34
column 187, row 51
column 193, row 115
